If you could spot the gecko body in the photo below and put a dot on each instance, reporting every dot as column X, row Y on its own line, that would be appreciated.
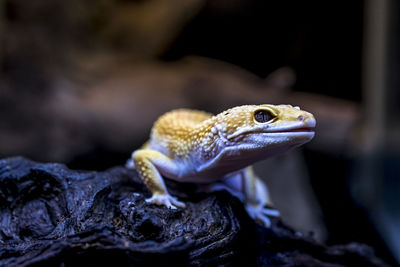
column 218, row 151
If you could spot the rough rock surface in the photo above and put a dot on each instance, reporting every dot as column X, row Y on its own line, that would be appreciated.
column 51, row 215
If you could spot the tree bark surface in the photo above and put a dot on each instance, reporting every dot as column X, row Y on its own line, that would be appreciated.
column 53, row 216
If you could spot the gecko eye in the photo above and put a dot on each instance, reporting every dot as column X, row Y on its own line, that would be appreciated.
column 263, row 115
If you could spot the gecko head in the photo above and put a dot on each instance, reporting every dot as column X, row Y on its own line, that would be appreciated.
column 267, row 126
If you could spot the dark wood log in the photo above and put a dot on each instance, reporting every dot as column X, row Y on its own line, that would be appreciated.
column 51, row 215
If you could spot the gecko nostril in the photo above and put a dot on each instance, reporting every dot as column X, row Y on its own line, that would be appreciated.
column 300, row 118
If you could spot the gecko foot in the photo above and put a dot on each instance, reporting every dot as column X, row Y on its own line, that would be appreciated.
column 166, row 200
column 259, row 213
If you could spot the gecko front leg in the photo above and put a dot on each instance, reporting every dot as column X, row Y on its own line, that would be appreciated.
column 257, row 197
column 147, row 163
column 249, row 188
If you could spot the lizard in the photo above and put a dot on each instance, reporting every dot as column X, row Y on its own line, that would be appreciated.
column 217, row 151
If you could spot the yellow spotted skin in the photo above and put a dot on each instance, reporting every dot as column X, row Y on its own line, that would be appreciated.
column 176, row 130
column 195, row 146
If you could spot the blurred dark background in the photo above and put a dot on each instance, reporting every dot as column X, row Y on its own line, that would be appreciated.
column 81, row 82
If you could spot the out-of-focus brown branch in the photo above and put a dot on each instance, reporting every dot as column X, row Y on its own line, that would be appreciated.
column 119, row 108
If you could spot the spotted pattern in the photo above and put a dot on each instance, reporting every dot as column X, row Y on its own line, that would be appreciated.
column 182, row 133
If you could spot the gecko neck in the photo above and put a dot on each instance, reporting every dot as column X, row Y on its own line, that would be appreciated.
column 210, row 139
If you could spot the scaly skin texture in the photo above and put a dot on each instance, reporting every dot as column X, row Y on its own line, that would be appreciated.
column 217, row 151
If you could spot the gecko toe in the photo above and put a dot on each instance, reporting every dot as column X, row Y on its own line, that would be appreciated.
column 166, row 200
column 264, row 220
column 258, row 213
column 177, row 203
column 270, row 212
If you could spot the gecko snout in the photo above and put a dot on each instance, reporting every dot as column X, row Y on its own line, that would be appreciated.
column 309, row 121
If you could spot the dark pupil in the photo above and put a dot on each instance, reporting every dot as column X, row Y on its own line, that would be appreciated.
column 263, row 116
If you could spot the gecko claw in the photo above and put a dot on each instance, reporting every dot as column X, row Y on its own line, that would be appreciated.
column 166, row 200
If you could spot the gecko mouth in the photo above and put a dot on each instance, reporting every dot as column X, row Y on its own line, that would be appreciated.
column 292, row 130
column 305, row 129
column 295, row 131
